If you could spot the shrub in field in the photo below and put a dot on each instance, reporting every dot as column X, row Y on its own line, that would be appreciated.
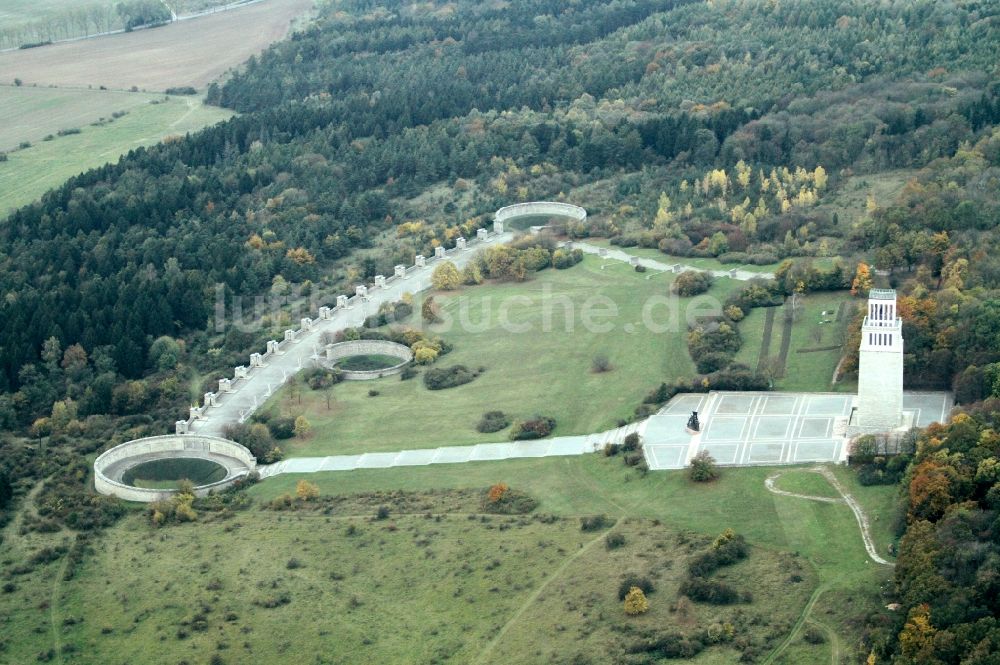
column 500, row 499
column 634, row 580
column 440, row 378
column 538, row 427
column 446, row 277
column 613, row 541
column 712, row 361
column 635, row 602
column 709, row 591
column 600, row 364
column 282, row 427
column 594, row 523
column 318, row 378
column 703, row 468
column 631, row 442
column 306, row 491
column 493, row 421
column 691, row 283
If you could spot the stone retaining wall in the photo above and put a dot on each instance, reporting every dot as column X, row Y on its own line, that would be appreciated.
column 369, row 347
column 538, row 208
column 292, row 336
column 204, row 447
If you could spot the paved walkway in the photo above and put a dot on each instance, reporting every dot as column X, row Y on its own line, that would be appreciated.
column 619, row 255
column 483, row 452
column 767, row 428
column 262, row 382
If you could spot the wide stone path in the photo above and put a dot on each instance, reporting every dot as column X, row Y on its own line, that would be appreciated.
column 483, row 452
column 252, row 392
column 619, row 255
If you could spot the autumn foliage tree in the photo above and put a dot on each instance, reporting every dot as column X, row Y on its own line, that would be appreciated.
column 497, row 492
column 862, row 283
column 930, row 491
column 429, row 311
column 306, row 491
column 635, row 602
column 446, row 277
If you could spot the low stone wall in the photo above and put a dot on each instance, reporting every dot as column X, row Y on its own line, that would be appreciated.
column 369, row 347
column 223, row 451
column 538, row 208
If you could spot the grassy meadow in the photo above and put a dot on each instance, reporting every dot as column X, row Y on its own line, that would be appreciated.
column 30, row 172
column 543, row 370
column 814, row 347
column 437, row 582
column 802, row 481
column 701, row 263
column 561, row 382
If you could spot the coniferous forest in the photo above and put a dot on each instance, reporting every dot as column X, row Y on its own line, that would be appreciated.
column 701, row 129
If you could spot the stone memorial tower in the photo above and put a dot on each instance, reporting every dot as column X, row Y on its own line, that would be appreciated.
column 880, row 371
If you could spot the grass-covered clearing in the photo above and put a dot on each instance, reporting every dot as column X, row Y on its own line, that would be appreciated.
column 29, row 173
column 434, row 583
column 527, row 373
column 812, row 352
column 31, row 113
column 549, row 370
column 803, row 481
column 701, row 263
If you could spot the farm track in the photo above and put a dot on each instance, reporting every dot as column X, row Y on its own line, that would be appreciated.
column 806, row 611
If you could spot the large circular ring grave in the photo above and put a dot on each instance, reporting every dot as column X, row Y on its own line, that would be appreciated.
column 150, row 469
column 522, row 215
column 365, row 359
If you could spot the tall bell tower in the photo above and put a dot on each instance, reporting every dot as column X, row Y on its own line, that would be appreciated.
column 880, row 371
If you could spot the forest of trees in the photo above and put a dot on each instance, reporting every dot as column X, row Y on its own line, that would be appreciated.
column 722, row 129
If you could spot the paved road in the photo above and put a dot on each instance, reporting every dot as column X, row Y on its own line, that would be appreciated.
column 619, row 255
column 252, row 392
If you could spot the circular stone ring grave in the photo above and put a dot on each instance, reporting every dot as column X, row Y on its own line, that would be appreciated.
column 111, row 467
column 540, row 209
column 368, row 347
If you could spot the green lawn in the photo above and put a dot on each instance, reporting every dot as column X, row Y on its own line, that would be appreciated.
column 815, row 345
column 526, row 373
column 881, row 502
column 29, row 173
column 697, row 262
column 752, row 331
column 803, row 481
column 807, row 369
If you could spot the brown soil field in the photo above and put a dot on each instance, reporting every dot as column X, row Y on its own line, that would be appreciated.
column 193, row 52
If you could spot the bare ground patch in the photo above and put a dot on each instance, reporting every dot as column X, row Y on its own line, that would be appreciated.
column 193, row 52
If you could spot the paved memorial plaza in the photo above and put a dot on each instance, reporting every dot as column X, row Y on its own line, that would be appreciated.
column 747, row 428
